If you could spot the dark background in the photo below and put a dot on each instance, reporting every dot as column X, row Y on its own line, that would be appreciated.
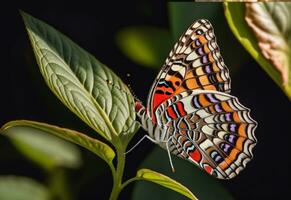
column 24, row 94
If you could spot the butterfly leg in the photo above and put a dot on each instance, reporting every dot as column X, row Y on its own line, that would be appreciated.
column 169, row 154
column 144, row 137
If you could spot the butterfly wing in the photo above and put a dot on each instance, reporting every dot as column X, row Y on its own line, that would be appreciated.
column 194, row 63
column 189, row 100
column 211, row 129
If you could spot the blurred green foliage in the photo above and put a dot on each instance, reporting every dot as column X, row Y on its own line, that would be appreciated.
column 46, row 150
column 21, row 188
column 275, row 26
column 149, row 46
column 145, row 44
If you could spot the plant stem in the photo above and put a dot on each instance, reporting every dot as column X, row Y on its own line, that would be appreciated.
column 58, row 184
column 129, row 181
column 118, row 173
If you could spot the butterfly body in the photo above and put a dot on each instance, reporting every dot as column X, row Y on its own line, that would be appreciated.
column 190, row 112
column 157, row 133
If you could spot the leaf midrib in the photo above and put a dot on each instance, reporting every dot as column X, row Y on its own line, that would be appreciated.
column 99, row 109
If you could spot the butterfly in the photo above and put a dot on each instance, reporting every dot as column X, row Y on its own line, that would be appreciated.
column 190, row 112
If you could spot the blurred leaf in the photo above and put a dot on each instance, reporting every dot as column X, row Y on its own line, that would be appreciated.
column 59, row 185
column 86, row 86
column 148, row 46
column 46, row 150
column 99, row 148
column 145, row 45
column 21, row 188
column 272, row 20
column 200, row 183
column 183, row 14
column 165, row 181
column 271, row 24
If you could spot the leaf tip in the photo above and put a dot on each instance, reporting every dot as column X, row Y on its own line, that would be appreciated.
column 23, row 14
column 9, row 125
column 25, row 17
column 4, row 127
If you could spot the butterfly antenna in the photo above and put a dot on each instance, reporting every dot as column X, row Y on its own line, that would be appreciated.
column 169, row 155
column 131, row 90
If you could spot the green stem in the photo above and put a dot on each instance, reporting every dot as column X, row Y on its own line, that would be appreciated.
column 129, row 181
column 118, row 174
column 58, row 185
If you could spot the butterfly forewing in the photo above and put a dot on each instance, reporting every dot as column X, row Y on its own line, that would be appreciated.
column 194, row 63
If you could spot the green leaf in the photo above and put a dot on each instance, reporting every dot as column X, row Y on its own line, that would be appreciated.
column 199, row 182
column 21, row 188
column 46, row 150
column 268, row 40
column 86, row 86
column 99, row 148
column 165, row 181
column 145, row 45
column 125, row 139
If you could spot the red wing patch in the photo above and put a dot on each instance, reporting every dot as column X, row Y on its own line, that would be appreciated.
column 195, row 155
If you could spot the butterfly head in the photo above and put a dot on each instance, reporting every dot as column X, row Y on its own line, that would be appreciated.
column 138, row 106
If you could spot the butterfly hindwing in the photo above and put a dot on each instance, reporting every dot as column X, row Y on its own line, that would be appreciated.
column 194, row 63
column 186, row 148
column 212, row 129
